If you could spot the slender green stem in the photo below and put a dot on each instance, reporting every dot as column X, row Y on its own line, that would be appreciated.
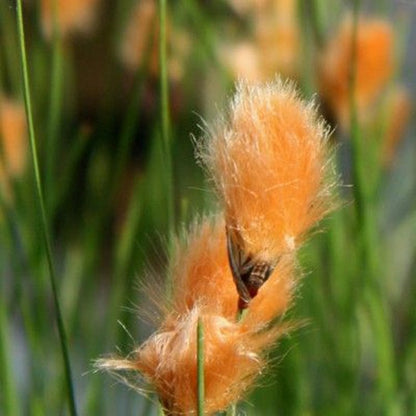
column 355, row 134
column 165, row 118
column 45, row 230
column 200, row 367
column 55, row 103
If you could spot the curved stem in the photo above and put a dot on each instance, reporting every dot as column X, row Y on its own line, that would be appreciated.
column 40, row 197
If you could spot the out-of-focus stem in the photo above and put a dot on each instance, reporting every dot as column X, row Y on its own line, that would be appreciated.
column 368, row 248
column 165, row 118
column 55, row 105
column 317, row 24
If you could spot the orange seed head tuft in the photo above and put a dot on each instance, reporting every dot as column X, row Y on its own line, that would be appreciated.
column 374, row 65
column 201, row 275
column 13, row 139
column 270, row 167
column 72, row 15
column 234, row 351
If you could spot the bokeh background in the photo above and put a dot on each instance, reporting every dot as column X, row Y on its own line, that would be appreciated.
column 109, row 175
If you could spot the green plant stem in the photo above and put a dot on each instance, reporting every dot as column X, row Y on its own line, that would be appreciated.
column 362, row 197
column 165, row 120
column 45, row 230
column 55, row 105
column 200, row 367
column 357, row 162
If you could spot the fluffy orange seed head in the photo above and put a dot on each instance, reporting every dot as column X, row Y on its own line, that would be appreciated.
column 270, row 166
column 201, row 275
column 13, row 139
column 72, row 15
column 233, row 358
column 202, row 278
column 374, row 65
column 234, row 351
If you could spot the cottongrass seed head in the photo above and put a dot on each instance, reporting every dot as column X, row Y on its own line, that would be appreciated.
column 269, row 162
column 235, row 352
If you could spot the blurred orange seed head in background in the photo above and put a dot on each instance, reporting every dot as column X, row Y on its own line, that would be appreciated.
column 398, row 109
column 374, row 65
column 13, row 139
column 141, row 42
column 273, row 47
column 71, row 15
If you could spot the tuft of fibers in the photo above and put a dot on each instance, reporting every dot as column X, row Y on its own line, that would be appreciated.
column 269, row 162
column 235, row 351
